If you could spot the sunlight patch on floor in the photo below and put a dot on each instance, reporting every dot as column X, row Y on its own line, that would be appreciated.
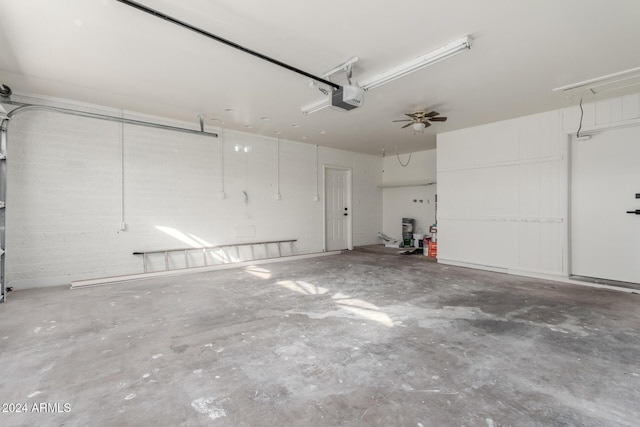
column 362, row 308
column 303, row 287
column 262, row 273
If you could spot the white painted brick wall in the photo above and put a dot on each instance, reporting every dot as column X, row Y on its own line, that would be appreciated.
column 64, row 196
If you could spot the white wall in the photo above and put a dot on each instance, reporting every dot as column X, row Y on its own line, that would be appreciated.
column 64, row 195
column 366, row 194
column 503, row 188
column 421, row 168
column 503, row 195
column 403, row 185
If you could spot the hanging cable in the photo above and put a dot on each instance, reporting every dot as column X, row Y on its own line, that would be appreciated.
column 581, row 117
column 404, row 165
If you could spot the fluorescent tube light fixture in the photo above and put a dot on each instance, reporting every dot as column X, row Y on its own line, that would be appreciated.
column 444, row 52
column 419, row 63
column 317, row 106
column 629, row 83
column 620, row 80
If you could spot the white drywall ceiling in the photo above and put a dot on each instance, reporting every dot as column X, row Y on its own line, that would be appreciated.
column 103, row 52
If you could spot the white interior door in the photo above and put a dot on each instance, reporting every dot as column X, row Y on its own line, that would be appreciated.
column 605, row 181
column 337, row 209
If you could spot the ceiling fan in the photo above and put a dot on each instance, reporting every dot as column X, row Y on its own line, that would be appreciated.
column 421, row 119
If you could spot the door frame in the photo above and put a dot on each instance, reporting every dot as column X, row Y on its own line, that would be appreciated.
column 349, row 229
column 570, row 139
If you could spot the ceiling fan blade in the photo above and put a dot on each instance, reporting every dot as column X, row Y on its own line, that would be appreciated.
column 426, row 124
column 403, row 120
column 438, row 119
column 432, row 114
column 407, row 125
column 412, row 115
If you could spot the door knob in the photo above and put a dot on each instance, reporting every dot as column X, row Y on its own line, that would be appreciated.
column 345, row 214
column 636, row 212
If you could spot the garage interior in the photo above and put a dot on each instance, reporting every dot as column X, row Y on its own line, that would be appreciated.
column 204, row 213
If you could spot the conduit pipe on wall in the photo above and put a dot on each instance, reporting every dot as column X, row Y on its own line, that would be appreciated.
column 317, row 196
column 278, row 196
column 222, row 193
column 3, row 188
column 123, row 225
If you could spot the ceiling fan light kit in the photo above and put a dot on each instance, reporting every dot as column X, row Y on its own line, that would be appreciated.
column 421, row 119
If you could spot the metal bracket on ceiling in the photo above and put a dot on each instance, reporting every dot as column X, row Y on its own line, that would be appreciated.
column 346, row 66
column 5, row 96
column 5, row 91
column 201, row 120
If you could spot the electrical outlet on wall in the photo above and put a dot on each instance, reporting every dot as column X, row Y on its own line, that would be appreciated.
column 316, row 198
column 123, row 226
column 223, row 195
column 277, row 196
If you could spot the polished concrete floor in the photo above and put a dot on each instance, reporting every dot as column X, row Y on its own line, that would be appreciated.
column 359, row 339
